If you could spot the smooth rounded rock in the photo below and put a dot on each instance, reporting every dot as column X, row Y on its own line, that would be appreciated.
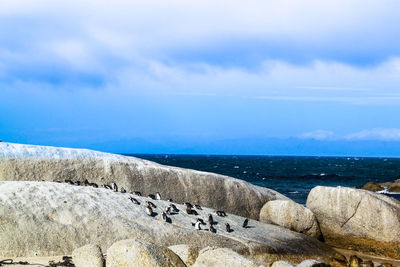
column 88, row 256
column 291, row 215
column 36, row 163
column 357, row 219
column 134, row 253
column 188, row 254
column 209, row 257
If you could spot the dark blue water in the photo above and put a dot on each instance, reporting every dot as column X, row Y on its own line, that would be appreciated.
column 291, row 176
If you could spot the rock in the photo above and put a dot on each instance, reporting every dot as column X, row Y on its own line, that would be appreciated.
column 187, row 253
column 372, row 186
column 357, row 219
column 88, row 256
column 209, row 257
column 139, row 253
column 367, row 263
column 290, row 215
column 394, row 188
column 313, row 263
column 37, row 163
column 49, row 218
column 282, row 264
column 354, row 261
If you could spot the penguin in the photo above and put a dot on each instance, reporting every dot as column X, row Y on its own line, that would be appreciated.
column 188, row 205
column 210, row 219
column 106, row 186
column 219, row 213
column 134, row 200
column 114, row 187
column 68, row 181
column 123, row 190
column 245, row 223
column 174, row 208
column 158, row 196
column 137, row 193
column 212, row 229
column 197, row 225
column 190, row 211
column 164, row 216
column 169, row 199
column 149, row 210
column 151, row 196
column 223, row 213
column 86, row 182
column 168, row 210
column 77, row 183
column 198, row 207
column 201, row 221
column 228, row 227
column 151, row 204
column 94, row 185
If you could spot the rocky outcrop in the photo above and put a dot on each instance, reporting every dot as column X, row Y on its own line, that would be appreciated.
column 209, row 257
column 387, row 187
column 372, row 186
column 88, row 256
column 37, row 163
column 312, row 263
column 291, row 215
column 357, row 219
column 135, row 253
column 46, row 218
column 188, row 254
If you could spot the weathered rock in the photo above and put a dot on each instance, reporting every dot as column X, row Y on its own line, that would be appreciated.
column 134, row 253
column 354, row 261
column 187, row 253
column 313, row 263
column 209, row 257
column 357, row 219
column 282, row 264
column 37, row 163
column 290, row 215
column 367, row 263
column 88, row 256
column 394, row 188
column 372, row 186
column 49, row 218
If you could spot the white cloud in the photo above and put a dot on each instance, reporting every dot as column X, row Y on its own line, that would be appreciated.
column 318, row 135
column 391, row 134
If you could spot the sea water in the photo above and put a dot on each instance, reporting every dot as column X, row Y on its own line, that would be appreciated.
column 291, row 176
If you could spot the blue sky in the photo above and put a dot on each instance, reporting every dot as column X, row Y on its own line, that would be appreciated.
column 191, row 76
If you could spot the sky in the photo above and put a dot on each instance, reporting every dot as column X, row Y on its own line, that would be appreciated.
column 211, row 77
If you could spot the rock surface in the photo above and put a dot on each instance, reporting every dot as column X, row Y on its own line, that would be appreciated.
column 88, row 256
column 312, row 263
column 357, row 219
column 290, row 215
column 282, row 264
column 46, row 218
column 187, row 253
column 37, row 163
column 134, row 253
column 209, row 257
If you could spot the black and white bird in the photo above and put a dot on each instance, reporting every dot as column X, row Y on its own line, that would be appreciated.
column 151, row 204
column 151, row 196
column 149, row 210
column 189, row 205
column 170, row 199
column 68, row 181
column 134, row 200
column 212, row 229
column 106, row 186
column 137, row 193
column 198, row 207
column 245, row 223
column 228, row 227
column 210, row 219
column 174, row 208
column 201, row 221
column 197, row 225
column 158, row 196
column 114, row 187
column 123, row 190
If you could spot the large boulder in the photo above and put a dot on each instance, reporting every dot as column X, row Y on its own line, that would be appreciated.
column 187, row 253
column 47, row 218
column 209, row 257
column 357, row 219
column 290, row 215
column 135, row 253
column 88, row 256
column 36, row 163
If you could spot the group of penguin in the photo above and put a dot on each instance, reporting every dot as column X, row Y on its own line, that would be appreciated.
column 170, row 210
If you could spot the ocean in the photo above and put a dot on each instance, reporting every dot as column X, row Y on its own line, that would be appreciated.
column 291, row 176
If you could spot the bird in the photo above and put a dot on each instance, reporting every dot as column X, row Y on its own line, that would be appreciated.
column 210, row 219
column 77, row 183
column 68, row 181
column 228, row 227
column 149, row 210
column 106, row 186
column 114, row 186
column 123, row 190
column 197, row 225
column 134, row 200
column 174, row 208
column 137, row 193
column 245, row 223
column 170, row 199
column 198, row 207
column 151, row 204
column 158, row 196
column 201, row 221
column 189, row 205
column 212, row 229
column 168, row 210
column 151, row 196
